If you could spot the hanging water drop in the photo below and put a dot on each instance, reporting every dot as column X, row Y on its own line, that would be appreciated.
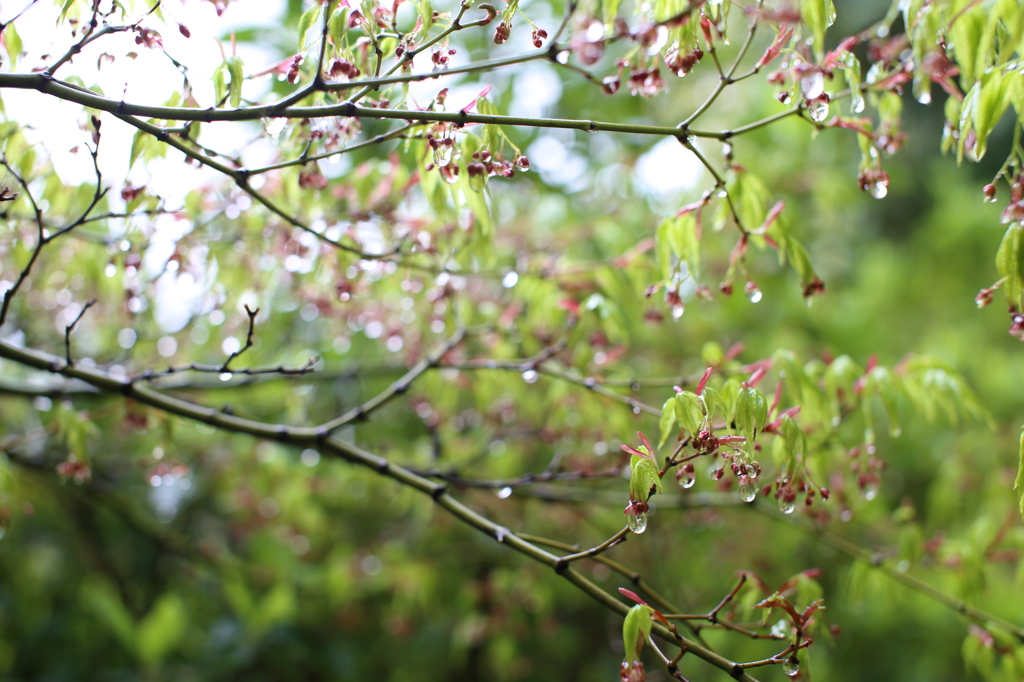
column 784, row 97
column 721, row 193
column 111, row 269
column 686, row 481
column 748, row 489
column 637, row 522
column 505, row 493
column 753, row 293
column 677, row 311
column 817, row 109
column 225, row 376
column 791, row 666
column 879, row 189
column 925, row 98
column 786, row 505
column 870, row 491
column 857, row 102
column 444, row 151
column 530, row 376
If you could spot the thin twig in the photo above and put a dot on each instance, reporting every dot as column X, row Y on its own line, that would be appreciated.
column 71, row 327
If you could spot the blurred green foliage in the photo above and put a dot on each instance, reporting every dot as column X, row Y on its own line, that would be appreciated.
column 137, row 545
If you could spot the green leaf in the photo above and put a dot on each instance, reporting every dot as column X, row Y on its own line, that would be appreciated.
column 161, row 630
column 14, row 45
column 306, row 22
column 644, row 479
column 667, row 421
column 100, row 597
column 234, row 65
column 1010, row 264
column 1018, row 484
column 818, row 15
column 690, row 411
column 751, row 413
column 750, row 197
column 993, row 100
column 635, row 629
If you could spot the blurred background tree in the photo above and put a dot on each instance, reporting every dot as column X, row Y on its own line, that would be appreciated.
column 272, row 271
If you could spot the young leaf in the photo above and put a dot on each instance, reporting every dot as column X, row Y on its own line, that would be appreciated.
column 689, row 411
column 668, row 420
column 635, row 629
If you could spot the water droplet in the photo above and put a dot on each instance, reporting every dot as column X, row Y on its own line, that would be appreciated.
column 791, row 666
column 754, row 294
column 636, row 410
column 817, row 109
column 857, row 102
column 530, row 376
column 752, row 471
column 879, row 190
column 522, row 164
column 721, row 194
column 505, row 493
column 510, row 279
column 444, row 151
column 677, row 311
column 785, row 97
column 637, row 522
column 785, row 506
column 111, row 269
column 870, row 491
column 925, row 98
column 686, row 481
column 225, row 376
column 748, row 489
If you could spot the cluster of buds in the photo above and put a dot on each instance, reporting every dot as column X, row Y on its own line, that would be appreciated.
column 148, row 37
column 311, row 178
column 342, row 68
column 484, row 164
column 440, row 57
column 1016, row 325
column 72, row 469
column 502, row 32
column 646, row 82
column 632, row 671
column 681, row 63
column 1014, row 212
column 538, row 37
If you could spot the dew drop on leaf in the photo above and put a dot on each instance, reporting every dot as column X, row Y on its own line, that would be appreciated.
column 637, row 523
